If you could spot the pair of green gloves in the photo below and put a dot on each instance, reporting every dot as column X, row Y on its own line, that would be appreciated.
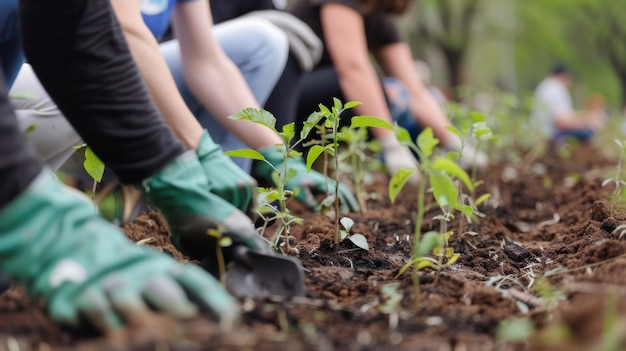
column 80, row 266
column 237, row 187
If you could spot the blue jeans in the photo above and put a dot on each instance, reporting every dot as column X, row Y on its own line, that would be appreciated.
column 260, row 51
column 11, row 55
column 583, row 134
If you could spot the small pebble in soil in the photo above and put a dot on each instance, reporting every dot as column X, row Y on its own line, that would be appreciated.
column 516, row 252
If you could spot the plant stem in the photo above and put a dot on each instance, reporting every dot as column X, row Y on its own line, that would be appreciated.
column 358, row 181
column 417, row 234
column 336, row 147
column 617, row 178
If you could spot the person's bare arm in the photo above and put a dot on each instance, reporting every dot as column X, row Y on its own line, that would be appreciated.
column 155, row 73
column 346, row 43
column 396, row 61
column 212, row 77
column 572, row 120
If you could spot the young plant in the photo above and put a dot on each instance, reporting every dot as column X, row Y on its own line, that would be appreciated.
column 441, row 174
column 434, row 243
column 356, row 238
column 280, row 175
column 355, row 157
column 619, row 183
column 332, row 119
column 94, row 167
column 222, row 242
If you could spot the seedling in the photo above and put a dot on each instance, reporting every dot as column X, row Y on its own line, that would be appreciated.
column 222, row 241
column 356, row 157
column 356, row 238
column 437, row 244
column 619, row 183
column 441, row 174
column 94, row 167
column 332, row 119
column 281, row 175
column 391, row 306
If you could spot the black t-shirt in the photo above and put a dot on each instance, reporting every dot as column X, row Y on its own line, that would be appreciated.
column 380, row 28
column 224, row 10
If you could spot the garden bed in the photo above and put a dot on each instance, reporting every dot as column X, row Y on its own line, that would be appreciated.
column 543, row 217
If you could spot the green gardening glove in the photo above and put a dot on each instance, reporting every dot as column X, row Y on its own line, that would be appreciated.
column 54, row 244
column 181, row 191
column 226, row 179
column 309, row 183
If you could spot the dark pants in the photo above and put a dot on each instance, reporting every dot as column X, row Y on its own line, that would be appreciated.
column 11, row 55
column 79, row 54
column 283, row 101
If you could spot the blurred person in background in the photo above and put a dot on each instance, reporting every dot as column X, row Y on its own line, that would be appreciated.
column 553, row 110
column 350, row 31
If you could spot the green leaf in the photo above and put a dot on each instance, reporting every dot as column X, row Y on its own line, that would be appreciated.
column 31, row 128
column 324, row 110
column 444, row 191
column 482, row 198
column 291, row 173
column 347, row 223
column 453, row 169
column 369, row 121
column 342, row 235
column 289, row 131
column 452, row 259
column 245, row 153
column 360, row 241
column 256, row 115
column 515, row 330
column 477, row 116
column 403, row 136
column 337, row 105
column 426, row 141
column 314, row 152
column 422, row 262
column 397, row 182
column 310, row 123
column 454, row 130
column 93, row 165
column 430, row 240
column 226, row 241
column 351, row 104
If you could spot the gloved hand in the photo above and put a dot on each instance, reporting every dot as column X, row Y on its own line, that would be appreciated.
column 181, row 191
column 470, row 156
column 397, row 156
column 309, row 183
column 80, row 265
column 226, row 179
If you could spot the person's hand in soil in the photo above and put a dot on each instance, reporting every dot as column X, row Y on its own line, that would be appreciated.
column 226, row 179
column 82, row 268
column 197, row 217
column 304, row 183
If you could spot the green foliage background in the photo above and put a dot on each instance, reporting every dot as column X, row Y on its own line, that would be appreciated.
column 512, row 44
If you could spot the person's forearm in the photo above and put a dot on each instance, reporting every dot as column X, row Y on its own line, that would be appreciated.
column 571, row 121
column 360, row 83
column 396, row 61
column 155, row 73
column 229, row 97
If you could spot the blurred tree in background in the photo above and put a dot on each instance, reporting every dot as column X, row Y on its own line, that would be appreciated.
column 512, row 44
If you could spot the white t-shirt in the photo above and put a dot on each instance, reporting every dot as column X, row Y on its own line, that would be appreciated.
column 551, row 99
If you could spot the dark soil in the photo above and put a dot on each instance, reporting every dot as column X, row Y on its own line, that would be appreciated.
column 549, row 214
